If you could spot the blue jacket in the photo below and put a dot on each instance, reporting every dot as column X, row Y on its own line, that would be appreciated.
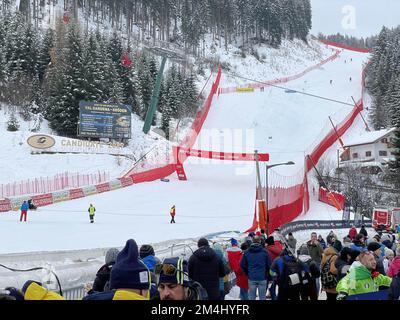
column 25, row 206
column 278, row 265
column 356, row 248
column 150, row 262
column 256, row 263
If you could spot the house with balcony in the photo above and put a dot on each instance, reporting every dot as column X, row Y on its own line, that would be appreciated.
column 375, row 146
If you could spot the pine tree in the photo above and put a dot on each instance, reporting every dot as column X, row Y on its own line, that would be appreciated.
column 44, row 57
column 12, row 123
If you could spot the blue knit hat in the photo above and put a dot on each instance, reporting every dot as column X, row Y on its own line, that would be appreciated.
column 234, row 242
column 129, row 272
column 181, row 275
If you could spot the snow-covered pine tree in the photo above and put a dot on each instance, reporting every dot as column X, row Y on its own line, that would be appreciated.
column 12, row 123
column 44, row 58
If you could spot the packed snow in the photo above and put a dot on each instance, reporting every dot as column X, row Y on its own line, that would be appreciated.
column 218, row 195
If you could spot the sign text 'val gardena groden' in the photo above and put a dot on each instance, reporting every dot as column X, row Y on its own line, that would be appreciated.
column 104, row 120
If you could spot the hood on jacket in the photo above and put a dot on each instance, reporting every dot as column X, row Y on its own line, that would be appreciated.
column 205, row 253
column 358, row 271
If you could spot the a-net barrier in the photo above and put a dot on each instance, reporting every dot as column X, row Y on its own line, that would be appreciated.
column 287, row 203
column 286, row 199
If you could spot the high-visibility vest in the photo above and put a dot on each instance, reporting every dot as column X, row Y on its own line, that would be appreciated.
column 92, row 210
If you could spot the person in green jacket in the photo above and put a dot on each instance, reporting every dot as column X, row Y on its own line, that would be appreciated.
column 91, row 211
column 362, row 278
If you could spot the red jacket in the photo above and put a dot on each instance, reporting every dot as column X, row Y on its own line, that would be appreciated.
column 234, row 257
column 352, row 233
column 274, row 250
column 394, row 267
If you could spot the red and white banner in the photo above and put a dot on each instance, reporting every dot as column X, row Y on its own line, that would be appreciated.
column 125, row 182
column 42, row 200
column 103, row 187
column 76, row 193
column 5, row 205
column 222, row 155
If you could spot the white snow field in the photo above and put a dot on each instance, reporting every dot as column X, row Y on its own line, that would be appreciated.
column 218, row 195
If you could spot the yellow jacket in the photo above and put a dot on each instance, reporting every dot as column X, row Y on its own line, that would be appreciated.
column 37, row 292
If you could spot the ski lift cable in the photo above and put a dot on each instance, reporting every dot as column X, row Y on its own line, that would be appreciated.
column 296, row 91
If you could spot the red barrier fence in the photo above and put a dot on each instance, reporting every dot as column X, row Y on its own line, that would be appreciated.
column 289, row 203
column 58, row 182
column 188, row 142
column 281, row 80
column 344, row 46
column 323, row 197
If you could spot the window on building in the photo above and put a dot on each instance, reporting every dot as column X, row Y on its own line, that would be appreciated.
column 393, row 153
column 383, row 153
column 368, row 154
column 355, row 155
column 384, row 140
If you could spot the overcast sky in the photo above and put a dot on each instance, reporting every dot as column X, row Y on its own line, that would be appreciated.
column 359, row 18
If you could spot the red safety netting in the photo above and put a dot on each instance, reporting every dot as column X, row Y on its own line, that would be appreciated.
column 323, row 197
column 287, row 203
column 344, row 46
column 166, row 169
column 282, row 80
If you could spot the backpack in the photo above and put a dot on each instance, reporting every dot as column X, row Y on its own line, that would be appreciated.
column 328, row 280
column 294, row 275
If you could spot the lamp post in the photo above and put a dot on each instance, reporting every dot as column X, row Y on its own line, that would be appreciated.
column 267, row 167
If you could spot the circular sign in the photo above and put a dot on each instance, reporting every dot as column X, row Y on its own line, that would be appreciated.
column 41, row 141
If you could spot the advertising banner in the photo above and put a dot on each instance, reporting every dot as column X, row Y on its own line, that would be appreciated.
column 104, row 120
column 5, row 205
column 42, row 200
column 76, row 193
column 60, row 196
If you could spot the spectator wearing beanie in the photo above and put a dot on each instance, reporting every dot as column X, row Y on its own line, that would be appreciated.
column 235, row 255
column 353, row 232
column 255, row 265
column 174, row 282
column 206, row 268
column 102, row 281
column 363, row 231
column 376, row 249
column 130, row 278
column 394, row 267
column 272, row 248
column 147, row 255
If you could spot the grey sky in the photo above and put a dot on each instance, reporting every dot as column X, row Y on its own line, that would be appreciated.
column 359, row 18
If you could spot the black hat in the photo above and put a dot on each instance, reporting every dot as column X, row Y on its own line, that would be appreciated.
column 373, row 246
column 129, row 271
column 146, row 250
column 202, row 242
column 180, row 274
column 270, row 241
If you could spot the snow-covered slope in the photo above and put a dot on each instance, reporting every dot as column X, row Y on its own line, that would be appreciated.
column 218, row 195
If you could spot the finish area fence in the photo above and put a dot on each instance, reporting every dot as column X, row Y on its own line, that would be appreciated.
column 61, row 181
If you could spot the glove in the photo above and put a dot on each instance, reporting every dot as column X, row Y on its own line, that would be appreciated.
column 375, row 274
column 342, row 296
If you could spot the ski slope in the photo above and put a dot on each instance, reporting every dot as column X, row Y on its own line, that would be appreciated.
column 218, row 195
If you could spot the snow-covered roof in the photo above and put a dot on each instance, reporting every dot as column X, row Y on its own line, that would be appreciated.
column 369, row 137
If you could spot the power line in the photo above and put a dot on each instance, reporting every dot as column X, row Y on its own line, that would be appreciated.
column 296, row 91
